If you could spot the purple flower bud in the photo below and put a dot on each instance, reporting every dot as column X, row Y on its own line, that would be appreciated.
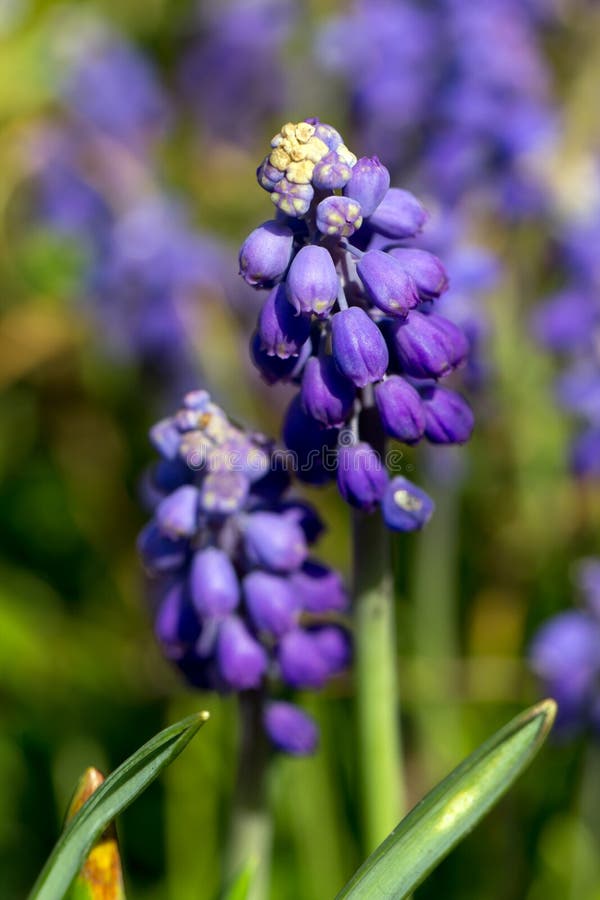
column 327, row 395
column 405, row 507
column 159, row 553
column 426, row 270
column 176, row 625
column 265, row 254
column 399, row 215
column 428, row 346
column 361, row 476
column 387, row 283
column 400, row 409
column 177, row 514
column 327, row 134
column 268, row 176
column 274, row 541
column 223, row 492
column 307, row 518
column 314, row 446
column 334, row 645
column 312, row 282
column 198, row 400
column 165, row 437
column 186, row 420
column 319, row 588
column 241, row 659
column 273, row 368
column 369, row 184
column 292, row 199
column 214, row 586
column 271, row 602
column 359, row 348
column 246, row 455
column 301, row 661
column 338, row 216
column 448, row 416
column 331, row 173
column 290, row 729
column 282, row 332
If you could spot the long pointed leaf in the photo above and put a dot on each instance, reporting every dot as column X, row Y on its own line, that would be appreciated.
column 451, row 810
column 117, row 792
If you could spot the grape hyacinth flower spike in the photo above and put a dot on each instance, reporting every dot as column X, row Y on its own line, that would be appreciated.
column 351, row 318
column 242, row 604
column 367, row 350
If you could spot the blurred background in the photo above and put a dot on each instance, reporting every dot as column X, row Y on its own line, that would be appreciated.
column 129, row 137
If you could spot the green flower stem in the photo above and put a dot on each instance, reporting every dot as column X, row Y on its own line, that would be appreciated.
column 440, row 728
column 379, row 738
column 311, row 807
column 251, row 829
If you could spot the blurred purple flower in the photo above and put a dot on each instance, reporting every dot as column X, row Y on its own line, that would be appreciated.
column 234, row 583
column 144, row 267
column 290, row 729
column 565, row 655
column 567, row 323
column 114, row 89
column 385, row 50
column 232, row 73
column 459, row 91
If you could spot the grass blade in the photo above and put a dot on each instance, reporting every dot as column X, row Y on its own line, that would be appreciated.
column 113, row 796
column 451, row 810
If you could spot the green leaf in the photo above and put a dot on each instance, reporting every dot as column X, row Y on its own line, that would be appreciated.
column 117, row 792
column 451, row 810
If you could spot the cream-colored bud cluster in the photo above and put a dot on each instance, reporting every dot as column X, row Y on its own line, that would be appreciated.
column 297, row 150
column 215, row 443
